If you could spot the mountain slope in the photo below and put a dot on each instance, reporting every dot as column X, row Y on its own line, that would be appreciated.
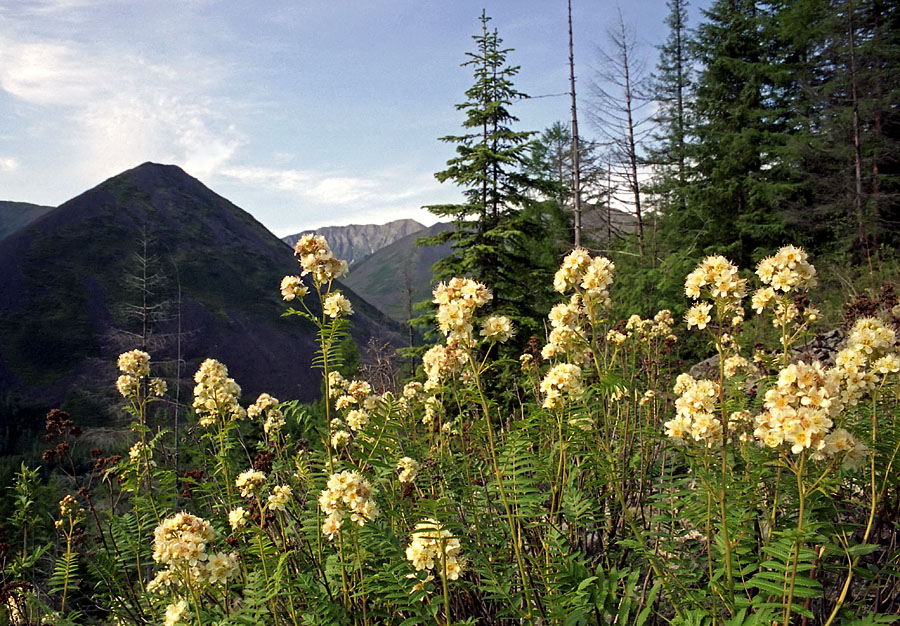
column 357, row 241
column 69, row 274
column 399, row 274
column 16, row 215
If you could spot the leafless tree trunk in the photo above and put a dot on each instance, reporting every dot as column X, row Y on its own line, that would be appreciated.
column 618, row 113
column 576, row 165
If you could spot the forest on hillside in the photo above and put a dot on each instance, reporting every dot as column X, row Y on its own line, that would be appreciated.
column 689, row 415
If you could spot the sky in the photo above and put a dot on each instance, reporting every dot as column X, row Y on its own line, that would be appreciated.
column 305, row 113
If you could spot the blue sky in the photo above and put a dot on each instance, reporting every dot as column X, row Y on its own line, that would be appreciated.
column 305, row 113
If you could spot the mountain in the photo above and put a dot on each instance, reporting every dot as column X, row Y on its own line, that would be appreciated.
column 73, row 281
column 16, row 215
column 398, row 274
column 357, row 241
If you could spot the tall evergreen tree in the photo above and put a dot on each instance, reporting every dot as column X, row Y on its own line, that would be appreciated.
column 743, row 120
column 491, row 232
column 671, row 89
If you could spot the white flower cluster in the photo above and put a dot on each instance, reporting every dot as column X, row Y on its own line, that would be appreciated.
column 134, row 365
column 443, row 361
column 182, row 542
column 719, row 278
column 457, row 300
column 497, row 328
column 293, row 287
column 249, row 482
column 695, row 411
column 316, row 258
column 279, row 497
column 563, row 378
column 432, row 547
column 267, row 407
column 589, row 276
column 408, row 469
column 216, row 393
column 346, row 492
column 337, row 305
column 784, row 274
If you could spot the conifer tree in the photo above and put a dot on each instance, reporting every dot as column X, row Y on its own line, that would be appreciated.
column 671, row 89
column 742, row 170
column 491, row 232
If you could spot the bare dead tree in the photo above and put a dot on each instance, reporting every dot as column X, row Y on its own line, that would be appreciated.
column 620, row 113
column 576, row 165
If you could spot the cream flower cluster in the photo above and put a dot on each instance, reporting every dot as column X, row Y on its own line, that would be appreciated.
column 787, row 270
column 563, row 378
column 695, row 410
column 443, row 361
column 868, row 354
column 408, row 469
column 249, row 482
column 177, row 613
column 799, row 409
column 567, row 335
column 337, row 305
column 316, row 258
column 267, row 407
column 134, row 365
column 719, row 278
column 457, row 300
column 346, row 492
column 660, row 327
column 784, row 274
column 497, row 328
column 182, row 540
column 432, row 547
column 134, row 362
column 591, row 276
column 279, row 497
column 238, row 517
column 293, row 287
column 216, row 393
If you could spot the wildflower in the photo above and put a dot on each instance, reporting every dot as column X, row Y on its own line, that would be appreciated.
column 695, row 409
column 433, row 547
column 719, row 276
column 158, row 387
column 279, row 497
column 135, row 362
column 346, row 492
column 293, row 287
column 357, row 419
column 340, row 438
column 888, row 364
column 216, row 393
column 497, row 328
column 698, row 315
column 336, row 305
column 177, row 613
column 221, row 567
column 561, row 378
column 128, row 385
column 182, row 540
column 787, row 270
column 316, row 258
column 249, row 482
column 412, row 390
column 408, row 469
column 238, row 517
column 734, row 364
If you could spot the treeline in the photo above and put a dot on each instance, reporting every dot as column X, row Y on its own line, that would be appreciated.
column 769, row 122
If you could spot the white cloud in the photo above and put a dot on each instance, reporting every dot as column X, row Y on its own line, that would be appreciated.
column 119, row 109
column 384, row 190
column 8, row 164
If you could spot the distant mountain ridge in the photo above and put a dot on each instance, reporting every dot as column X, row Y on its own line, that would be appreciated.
column 357, row 241
column 66, row 276
column 16, row 215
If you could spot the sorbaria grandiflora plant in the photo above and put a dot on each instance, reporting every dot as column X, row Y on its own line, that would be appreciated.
column 760, row 488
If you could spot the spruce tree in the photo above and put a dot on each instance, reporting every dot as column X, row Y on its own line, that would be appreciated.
column 491, row 233
column 742, row 171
